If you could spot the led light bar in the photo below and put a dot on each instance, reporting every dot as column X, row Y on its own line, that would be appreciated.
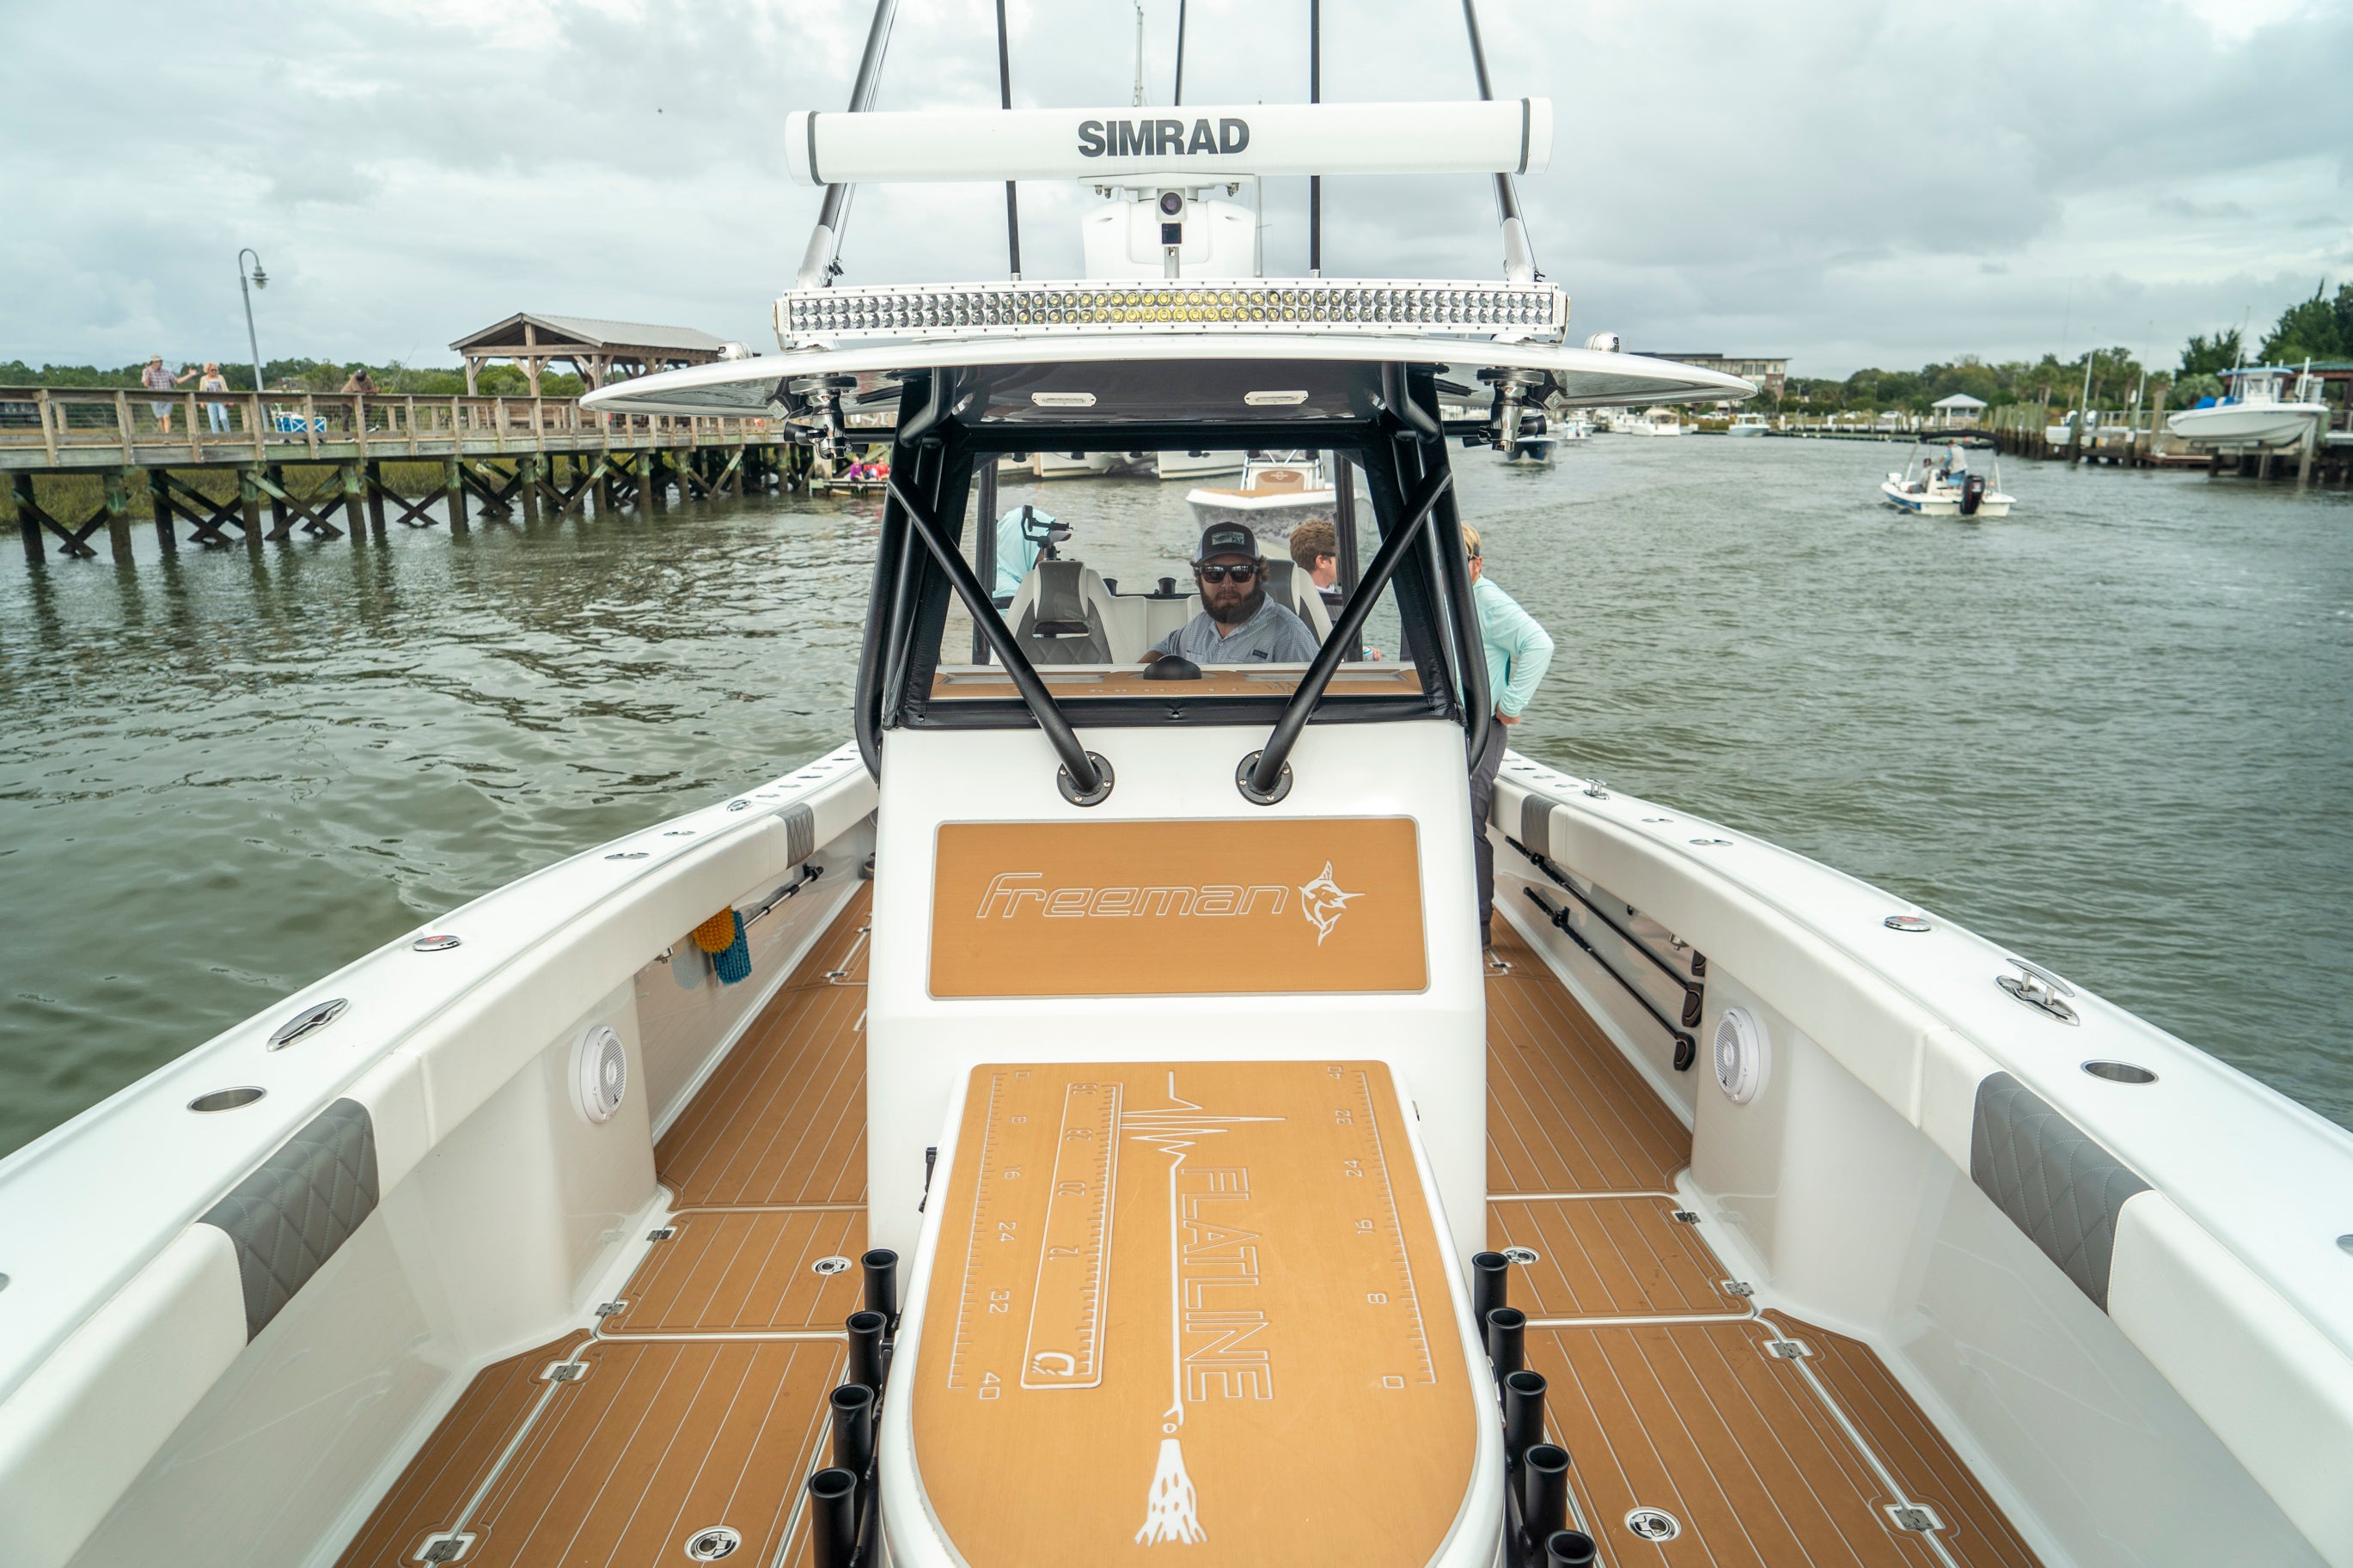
column 1212, row 305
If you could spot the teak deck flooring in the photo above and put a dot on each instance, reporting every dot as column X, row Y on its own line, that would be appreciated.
column 704, row 1402
column 704, row 1399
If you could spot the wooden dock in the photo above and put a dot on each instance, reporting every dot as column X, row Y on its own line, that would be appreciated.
column 300, row 461
column 2137, row 438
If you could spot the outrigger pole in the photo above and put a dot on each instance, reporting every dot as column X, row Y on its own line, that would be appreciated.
column 1316, row 95
column 819, row 263
column 1519, row 260
column 1005, row 95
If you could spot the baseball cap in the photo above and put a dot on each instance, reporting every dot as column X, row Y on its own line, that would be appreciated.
column 1227, row 539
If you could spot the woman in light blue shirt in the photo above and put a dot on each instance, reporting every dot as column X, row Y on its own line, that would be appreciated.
column 1518, row 653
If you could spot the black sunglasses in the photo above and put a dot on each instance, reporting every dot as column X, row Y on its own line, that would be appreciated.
column 1241, row 573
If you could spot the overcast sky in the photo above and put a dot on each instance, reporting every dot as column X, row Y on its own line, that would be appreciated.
column 1846, row 184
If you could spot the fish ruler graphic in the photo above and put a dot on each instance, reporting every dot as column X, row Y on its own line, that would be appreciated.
column 1160, row 1285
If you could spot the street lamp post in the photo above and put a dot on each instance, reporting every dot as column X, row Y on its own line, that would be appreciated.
column 260, row 279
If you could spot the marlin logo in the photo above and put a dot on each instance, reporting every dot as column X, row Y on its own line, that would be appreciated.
column 1322, row 901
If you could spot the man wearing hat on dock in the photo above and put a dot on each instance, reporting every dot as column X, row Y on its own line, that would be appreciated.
column 1519, row 651
column 1237, row 624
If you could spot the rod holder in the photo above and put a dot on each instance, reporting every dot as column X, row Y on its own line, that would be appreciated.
column 1524, row 1415
column 1507, row 1330
column 882, row 1282
column 1570, row 1549
column 853, row 1428
column 869, row 1363
column 1544, row 1492
column 833, row 1518
column 1491, row 1284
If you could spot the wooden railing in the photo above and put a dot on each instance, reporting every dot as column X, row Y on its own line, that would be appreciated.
column 72, row 425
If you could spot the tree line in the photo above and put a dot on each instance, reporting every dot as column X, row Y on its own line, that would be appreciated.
column 304, row 375
column 2318, row 329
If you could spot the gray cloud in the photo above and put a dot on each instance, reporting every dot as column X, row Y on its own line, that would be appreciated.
column 1841, row 182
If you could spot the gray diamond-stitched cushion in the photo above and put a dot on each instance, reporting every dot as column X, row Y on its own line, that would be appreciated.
column 2051, row 1178
column 288, row 1218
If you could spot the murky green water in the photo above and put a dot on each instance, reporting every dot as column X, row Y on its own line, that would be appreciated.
column 2111, row 731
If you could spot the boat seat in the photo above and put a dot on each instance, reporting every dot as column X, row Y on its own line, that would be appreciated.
column 1148, row 1286
column 1062, row 613
column 1287, row 585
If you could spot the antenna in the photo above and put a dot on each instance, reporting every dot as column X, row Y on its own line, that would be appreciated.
column 821, row 261
column 1139, row 54
column 1315, row 181
column 1179, row 95
column 1005, row 95
column 1519, row 260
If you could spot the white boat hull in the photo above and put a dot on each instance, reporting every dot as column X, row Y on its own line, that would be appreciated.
column 1272, row 518
column 2245, row 424
column 1197, row 465
column 1943, row 502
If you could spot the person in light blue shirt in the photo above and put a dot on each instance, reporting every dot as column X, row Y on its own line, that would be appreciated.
column 1519, row 651
column 1017, row 552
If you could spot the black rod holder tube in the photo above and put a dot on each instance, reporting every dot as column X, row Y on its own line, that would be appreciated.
column 853, row 1428
column 1024, row 675
column 882, row 1266
column 1686, row 1042
column 1491, row 1284
column 1352, row 625
column 1570, row 1549
column 1544, row 1491
column 1692, row 990
column 867, row 1363
column 833, row 1517
column 1524, row 1415
column 1507, row 1328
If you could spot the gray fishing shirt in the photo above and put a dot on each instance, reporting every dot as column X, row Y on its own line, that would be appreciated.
column 1274, row 636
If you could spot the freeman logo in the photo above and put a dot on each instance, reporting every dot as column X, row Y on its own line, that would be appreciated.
column 1161, row 138
column 1325, row 903
column 1010, row 892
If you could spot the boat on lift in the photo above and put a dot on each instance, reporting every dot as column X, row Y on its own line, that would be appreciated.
column 1937, row 479
column 2254, row 413
column 1074, row 1120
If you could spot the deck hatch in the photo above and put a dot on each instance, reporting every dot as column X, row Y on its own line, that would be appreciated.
column 1208, row 1305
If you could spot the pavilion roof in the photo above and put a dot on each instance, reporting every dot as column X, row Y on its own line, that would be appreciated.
column 590, row 332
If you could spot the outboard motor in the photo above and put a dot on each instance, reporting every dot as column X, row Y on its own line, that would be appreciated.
column 1972, row 492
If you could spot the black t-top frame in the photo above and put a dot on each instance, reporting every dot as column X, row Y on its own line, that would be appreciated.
column 1383, row 417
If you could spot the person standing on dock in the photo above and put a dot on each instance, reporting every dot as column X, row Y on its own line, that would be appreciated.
column 156, row 378
column 1519, row 651
column 215, row 412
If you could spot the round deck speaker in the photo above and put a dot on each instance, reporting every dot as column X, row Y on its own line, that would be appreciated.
column 600, row 1073
column 1743, row 1055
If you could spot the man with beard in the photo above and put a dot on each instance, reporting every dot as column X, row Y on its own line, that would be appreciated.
column 1237, row 625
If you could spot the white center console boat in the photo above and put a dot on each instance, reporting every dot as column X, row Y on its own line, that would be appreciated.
column 1073, row 1122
